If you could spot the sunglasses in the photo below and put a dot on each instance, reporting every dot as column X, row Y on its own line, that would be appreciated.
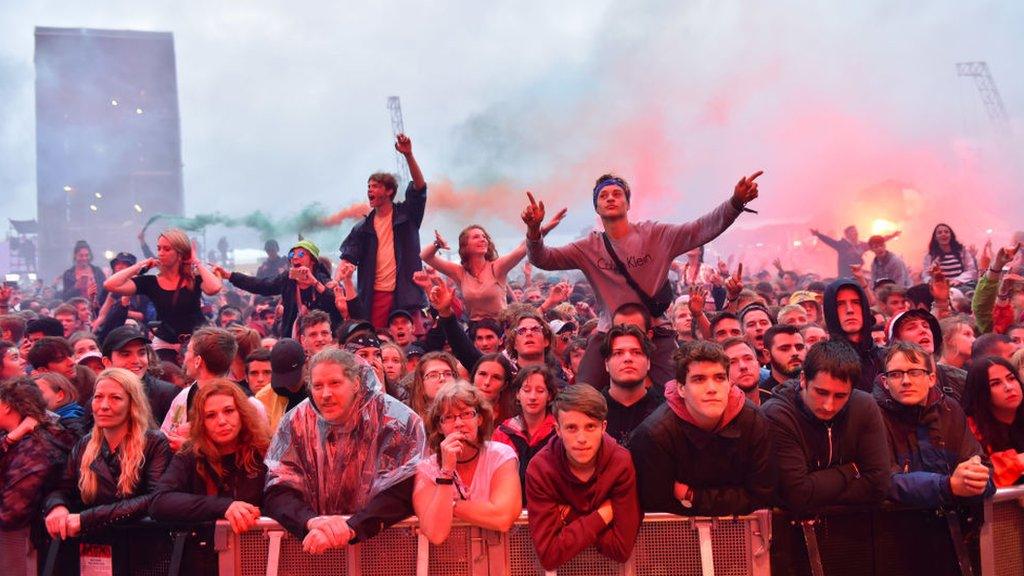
column 297, row 253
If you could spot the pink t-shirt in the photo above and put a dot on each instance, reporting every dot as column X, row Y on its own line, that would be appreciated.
column 492, row 456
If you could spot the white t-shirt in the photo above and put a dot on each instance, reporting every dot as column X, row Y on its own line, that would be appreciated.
column 492, row 456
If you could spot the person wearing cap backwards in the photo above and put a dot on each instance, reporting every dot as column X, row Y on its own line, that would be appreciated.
column 385, row 246
column 274, row 264
column 303, row 287
column 646, row 250
column 126, row 347
column 921, row 328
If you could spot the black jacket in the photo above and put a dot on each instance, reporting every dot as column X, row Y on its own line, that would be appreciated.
column 728, row 470
column 841, row 462
column 109, row 508
column 183, row 496
column 283, row 286
column 160, row 393
column 870, row 355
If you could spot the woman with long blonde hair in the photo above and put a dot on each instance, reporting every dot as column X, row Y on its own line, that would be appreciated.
column 176, row 291
column 113, row 470
column 219, row 473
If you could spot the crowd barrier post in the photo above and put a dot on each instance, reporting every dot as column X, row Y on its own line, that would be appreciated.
column 811, row 541
column 1002, row 533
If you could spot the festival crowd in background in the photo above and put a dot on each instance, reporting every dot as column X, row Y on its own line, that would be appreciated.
column 340, row 393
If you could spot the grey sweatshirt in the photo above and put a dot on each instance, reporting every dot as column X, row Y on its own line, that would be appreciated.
column 647, row 250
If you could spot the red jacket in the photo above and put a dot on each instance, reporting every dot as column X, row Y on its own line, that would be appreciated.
column 563, row 509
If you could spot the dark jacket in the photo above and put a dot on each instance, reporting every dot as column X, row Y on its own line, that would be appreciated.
column 563, row 509
column 30, row 469
column 513, row 432
column 728, row 469
column 160, row 393
column 70, row 289
column 109, row 508
column 360, row 248
column 926, row 444
column 841, row 462
column 183, row 496
column 870, row 355
column 283, row 286
column 74, row 419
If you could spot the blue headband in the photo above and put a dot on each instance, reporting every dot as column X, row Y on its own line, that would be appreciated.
column 610, row 181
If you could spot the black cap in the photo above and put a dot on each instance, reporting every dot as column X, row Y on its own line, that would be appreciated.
column 119, row 337
column 414, row 349
column 286, row 360
column 398, row 313
column 362, row 341
column 126, row 257
column 350, row 327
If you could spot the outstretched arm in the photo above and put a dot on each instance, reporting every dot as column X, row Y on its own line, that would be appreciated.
column 430, row 258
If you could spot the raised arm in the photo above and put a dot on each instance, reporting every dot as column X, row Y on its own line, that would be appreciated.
column 430, row 258
column 211, row 284
column 121, row 282
column 403, row 144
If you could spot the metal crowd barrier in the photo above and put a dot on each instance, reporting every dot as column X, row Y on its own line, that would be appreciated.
column 858, row 542
column 667, row 545
column 1002, row 534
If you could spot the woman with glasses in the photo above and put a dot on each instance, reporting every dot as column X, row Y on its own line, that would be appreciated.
column 306, row 285
column 530, row 431
column 468, row 477
column 434, row 371
column 176, row 291
column 995, row 414
column 481, row 274
column 492, row 376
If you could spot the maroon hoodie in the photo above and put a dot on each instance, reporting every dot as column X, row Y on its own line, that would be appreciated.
column 563, row 509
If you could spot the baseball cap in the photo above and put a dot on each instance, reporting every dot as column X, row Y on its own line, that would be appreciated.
column 286, row 360
column 120, row 337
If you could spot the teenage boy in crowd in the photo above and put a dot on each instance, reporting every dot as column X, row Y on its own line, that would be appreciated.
column 581, row 487
column 705, row 452
column 828, row 439
column 627, row 356
column 646, row 250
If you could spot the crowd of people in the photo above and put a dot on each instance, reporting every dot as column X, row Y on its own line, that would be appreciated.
column 339, row 397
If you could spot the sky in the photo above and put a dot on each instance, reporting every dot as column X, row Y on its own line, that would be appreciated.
column 854, row 110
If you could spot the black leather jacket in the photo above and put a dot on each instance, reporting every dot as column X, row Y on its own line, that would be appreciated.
column 108, row 508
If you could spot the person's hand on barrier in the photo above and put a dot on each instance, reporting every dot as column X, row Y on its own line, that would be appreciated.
column 57, row 522
column 316, row 542
column 335, row 528
column 242, row 516
column 970, row 478
column 606, row 512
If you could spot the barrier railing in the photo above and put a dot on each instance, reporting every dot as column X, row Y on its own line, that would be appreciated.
column 1002, row 534
column 666, row 545
column 859, row 542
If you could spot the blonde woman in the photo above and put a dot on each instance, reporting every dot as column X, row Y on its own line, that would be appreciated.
column 176, row 291
column 112, row 471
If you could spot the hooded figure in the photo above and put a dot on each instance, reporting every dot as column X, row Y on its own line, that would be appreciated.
column 870, row 355
column 362, row 466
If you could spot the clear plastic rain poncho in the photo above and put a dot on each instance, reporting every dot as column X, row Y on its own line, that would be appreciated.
column 339, row 467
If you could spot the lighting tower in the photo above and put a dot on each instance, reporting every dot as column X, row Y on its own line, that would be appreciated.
column 989, row 94
column 398, row 127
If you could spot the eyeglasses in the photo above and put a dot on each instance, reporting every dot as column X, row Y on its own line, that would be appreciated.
column 898, row 375
column 436, row 375
column 524, row 330
column 297, row 253
column 465, row 416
